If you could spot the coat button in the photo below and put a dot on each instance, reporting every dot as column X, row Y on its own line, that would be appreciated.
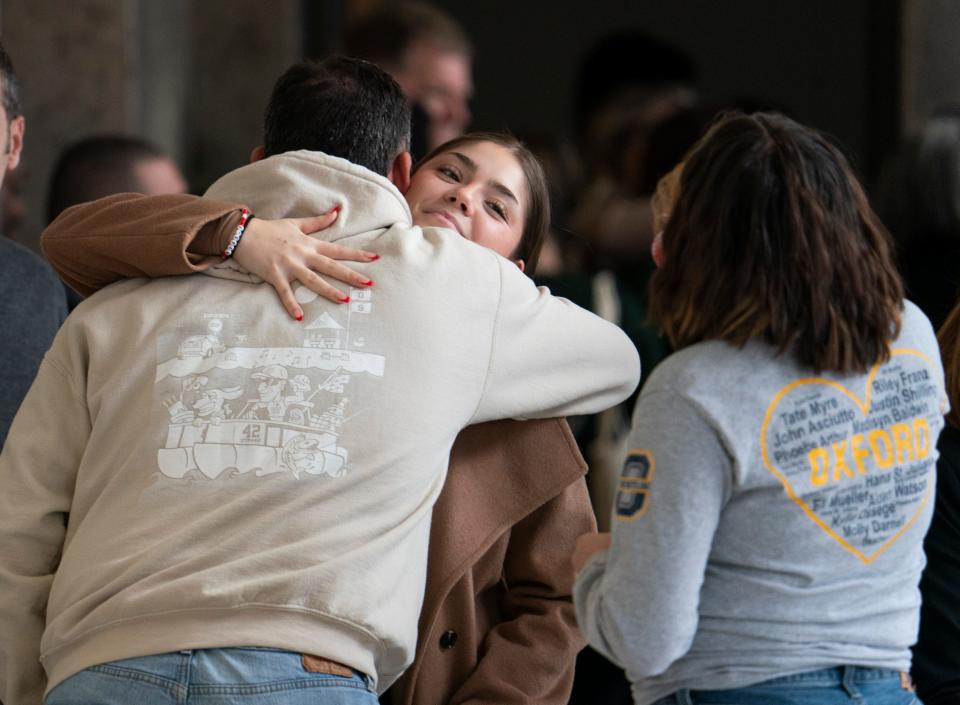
column 448, row 640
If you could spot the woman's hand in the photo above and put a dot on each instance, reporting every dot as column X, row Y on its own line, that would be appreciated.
column 281, row 251
column 586, row 546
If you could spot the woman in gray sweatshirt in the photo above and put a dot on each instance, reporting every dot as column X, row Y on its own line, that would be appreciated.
column 767, row 534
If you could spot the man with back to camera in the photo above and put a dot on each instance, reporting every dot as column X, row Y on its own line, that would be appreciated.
column 203, row 537
column 32, row 300
column 430, row 56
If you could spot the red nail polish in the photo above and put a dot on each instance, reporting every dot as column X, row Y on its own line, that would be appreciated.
column 299, row 316
column 374, row 258
column 336, row 208
column 369, row 282
column 345, row 300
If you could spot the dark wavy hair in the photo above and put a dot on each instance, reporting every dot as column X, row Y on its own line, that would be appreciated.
column 341, row 106
column 772, row 237
column 536, row 222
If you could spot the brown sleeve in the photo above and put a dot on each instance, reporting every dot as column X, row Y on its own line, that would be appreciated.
column 529, row 656
column 129, row 235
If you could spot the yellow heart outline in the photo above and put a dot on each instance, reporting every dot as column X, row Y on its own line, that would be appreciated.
column 864, row 407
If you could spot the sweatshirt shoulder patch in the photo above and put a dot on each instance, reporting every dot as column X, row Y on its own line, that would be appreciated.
column 636, row 481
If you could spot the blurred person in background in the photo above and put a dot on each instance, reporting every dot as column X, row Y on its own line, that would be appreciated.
column 918, row 197
column 104, row 165
column 430, row 56
column 32, row 300
column 13, row 204
column 627, row 83
column 669, row 141
column 562, row 248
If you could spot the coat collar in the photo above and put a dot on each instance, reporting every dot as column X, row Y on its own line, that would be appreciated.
column 500, row 472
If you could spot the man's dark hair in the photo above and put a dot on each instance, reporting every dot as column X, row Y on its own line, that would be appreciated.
column 341, row 106
column 11, row 86
column 385, row 35
column 95, row 167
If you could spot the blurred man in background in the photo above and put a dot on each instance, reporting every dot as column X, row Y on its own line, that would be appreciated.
column 32, row 300
column 103, row 165
column 430, row 56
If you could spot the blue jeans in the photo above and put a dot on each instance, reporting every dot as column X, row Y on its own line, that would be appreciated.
column 844, row 685
column 240, row 676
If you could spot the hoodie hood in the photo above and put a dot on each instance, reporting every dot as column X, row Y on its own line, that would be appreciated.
column 304, row 183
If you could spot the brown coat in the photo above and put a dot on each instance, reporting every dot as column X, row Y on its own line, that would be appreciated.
column 499, row 575
column 497, row 625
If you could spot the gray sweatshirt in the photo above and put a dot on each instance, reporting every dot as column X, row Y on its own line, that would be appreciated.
column 769, row 521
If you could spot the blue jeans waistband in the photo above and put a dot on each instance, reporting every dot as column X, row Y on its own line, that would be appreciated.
column 834, row 676
column 826, row 686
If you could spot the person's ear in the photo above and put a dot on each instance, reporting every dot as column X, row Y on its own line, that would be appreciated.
column 399, row 173
column 519, row 263
column 15, row 141
column 257, row 154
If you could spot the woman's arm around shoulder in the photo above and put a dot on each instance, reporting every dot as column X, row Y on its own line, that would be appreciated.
column 128, row 235
column 95, row 244
column 550, row 357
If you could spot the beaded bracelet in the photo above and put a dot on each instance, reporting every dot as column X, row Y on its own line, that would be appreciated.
column 245, row 217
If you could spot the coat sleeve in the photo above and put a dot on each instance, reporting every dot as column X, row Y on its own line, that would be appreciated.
column 549, row 357
column 38, row 470
column 638, row 602
column 127, row 235
column 528, row 656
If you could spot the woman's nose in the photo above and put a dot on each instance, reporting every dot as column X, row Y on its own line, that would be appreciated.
column 461, row 200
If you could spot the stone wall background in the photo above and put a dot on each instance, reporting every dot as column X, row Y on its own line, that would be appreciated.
column 192, row 77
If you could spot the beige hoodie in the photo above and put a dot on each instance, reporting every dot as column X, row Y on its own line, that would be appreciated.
column 215, row 474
